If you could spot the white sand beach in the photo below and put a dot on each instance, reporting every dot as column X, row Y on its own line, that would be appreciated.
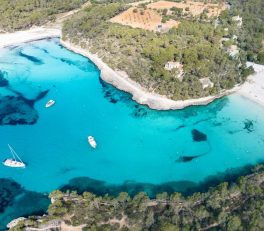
column 252, row 89
column 37, row 33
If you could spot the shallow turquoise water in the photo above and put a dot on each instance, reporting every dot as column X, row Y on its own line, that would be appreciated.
column 135, row 144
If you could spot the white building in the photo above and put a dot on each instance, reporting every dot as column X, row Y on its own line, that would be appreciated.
column 234, row 37
column 170, row 66
column 237, row 19
column 206, row 82
column 233, row 50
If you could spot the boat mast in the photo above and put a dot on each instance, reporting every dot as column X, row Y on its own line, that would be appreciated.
column 11, row 150
column 14, row 153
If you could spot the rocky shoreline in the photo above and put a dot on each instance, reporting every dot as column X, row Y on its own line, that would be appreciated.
column 140, row 95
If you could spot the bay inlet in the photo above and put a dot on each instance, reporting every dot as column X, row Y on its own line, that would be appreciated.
column 138, row 148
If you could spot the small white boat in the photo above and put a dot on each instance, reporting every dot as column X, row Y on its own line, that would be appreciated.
column 50, row 103
column 92, row 142
column 15, row 162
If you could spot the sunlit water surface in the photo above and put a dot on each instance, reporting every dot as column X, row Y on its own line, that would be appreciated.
column 138, row 149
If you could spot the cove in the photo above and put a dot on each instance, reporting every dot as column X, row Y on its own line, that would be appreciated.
column 136, row 146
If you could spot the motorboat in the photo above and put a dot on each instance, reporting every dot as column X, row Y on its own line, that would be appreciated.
column 14, row 162
column 92, row 142
column 50, row 103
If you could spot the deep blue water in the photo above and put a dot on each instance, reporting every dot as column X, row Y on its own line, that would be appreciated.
column 138, row 148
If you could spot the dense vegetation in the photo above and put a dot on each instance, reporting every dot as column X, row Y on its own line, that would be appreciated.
column 143, row 54
column 251, row 36
column 22, row 14
column 235, row 206
column 112, row 1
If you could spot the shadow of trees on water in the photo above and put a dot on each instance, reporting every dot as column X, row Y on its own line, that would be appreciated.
column 82, row 184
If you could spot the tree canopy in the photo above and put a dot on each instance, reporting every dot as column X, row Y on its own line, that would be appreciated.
column 143, row 54
column 251, row 33
column 22, row 14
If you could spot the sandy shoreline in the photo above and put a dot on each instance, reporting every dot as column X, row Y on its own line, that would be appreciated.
column 253, row 89
column 33, row 34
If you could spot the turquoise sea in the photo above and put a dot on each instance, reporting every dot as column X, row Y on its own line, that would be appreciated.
column 138, row 148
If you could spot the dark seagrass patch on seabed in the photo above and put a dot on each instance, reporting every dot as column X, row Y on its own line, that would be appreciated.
column 140, row 112
column 112, row 94
column 3, row 80
column 82, row 184
column 248, row 125
column 201, row 121
column 18, row 109
column 188, row 158
column 82, row 65
column 185, row 159
column 40, row 48
column 180, row 127
column 14, row 110
column 198, row 136
column 16, row 202
column 31, row 58
column 234, row 131
column 8, row 191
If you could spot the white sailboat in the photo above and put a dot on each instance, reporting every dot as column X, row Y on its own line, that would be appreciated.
column 14, row 162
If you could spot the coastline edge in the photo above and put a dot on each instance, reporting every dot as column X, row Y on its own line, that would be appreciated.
column 140, row 95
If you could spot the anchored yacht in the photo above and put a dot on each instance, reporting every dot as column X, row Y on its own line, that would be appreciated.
column 92, row 142
column 50, row 103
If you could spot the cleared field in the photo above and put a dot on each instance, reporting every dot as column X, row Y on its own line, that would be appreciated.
column 145, row 19
column 194, row 8
column 169, row 24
